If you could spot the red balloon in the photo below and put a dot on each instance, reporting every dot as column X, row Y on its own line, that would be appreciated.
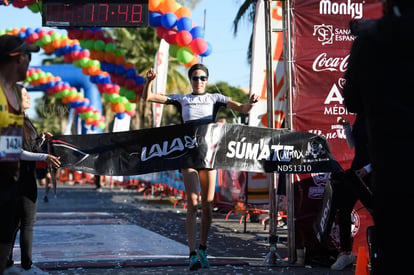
column 170, row 36
column 161, row 31
column 198, row 45
column 129, row 83
column 87, row 34
column 184, row 38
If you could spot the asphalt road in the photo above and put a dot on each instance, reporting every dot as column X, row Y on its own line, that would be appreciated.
column 115, row 231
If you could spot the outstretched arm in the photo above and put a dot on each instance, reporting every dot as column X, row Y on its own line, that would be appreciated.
column 148, row 95
column 243, row 108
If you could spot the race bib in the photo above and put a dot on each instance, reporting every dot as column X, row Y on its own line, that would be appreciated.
column 10, row 144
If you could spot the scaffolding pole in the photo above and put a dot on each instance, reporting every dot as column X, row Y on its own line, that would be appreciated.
column 272, row 258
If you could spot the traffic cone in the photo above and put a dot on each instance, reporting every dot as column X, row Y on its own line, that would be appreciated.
column 362, row 262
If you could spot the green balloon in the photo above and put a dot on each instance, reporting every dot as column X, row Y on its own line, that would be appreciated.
column 113, row 97
column 173, row 50
column 77, row 63
column 99, row 45
column 89, row 44
column 110, row 47
column 59, row 95
column 131, row 106
column 83, row 62
column 46, row 39
column 107, row 97
column 184, row 55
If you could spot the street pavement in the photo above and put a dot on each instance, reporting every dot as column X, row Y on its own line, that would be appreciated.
column 123, row 231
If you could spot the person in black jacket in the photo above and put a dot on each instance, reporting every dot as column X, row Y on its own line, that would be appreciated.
column 349, row 187
column 379, row 85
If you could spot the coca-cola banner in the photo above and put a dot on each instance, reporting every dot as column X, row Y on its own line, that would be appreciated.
column 214, row 145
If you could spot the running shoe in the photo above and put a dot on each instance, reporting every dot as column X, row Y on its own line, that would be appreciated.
column 203, row 258
column 194, row 263
column 344, row 259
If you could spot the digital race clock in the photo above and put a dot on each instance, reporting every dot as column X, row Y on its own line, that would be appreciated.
column 95, row 13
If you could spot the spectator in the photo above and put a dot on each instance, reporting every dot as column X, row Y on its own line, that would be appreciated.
column 15, row 57
column 378, row 85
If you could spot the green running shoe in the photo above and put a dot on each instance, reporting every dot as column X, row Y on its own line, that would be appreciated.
column 194, row 263
column 203, row 258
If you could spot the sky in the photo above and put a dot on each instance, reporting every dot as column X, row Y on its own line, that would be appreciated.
column 227, row 62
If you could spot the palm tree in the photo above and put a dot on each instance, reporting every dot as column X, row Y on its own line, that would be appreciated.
column 246, row 11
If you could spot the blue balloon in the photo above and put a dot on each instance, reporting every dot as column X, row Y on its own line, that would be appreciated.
column 120, row 115
column 197, row 32
column 110, row 68
column 184, row 24
column 66, row 49
column 140, row 79
column 155, row 19
column 208, row 51
column 29, row 31
column 120, row 69
column 131, row 72
column 59, row 52
column 94, row 78
column 77, row 47
column 169, row 20
column 22, row 35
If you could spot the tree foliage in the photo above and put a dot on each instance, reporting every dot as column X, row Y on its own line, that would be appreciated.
column 246, row 11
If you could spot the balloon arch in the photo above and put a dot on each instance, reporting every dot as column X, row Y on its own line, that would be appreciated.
column 92, row 50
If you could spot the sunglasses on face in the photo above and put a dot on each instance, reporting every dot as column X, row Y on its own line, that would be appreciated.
column 196, row 78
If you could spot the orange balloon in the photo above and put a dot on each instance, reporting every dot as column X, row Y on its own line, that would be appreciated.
column 48, row 48
column 15, row 31
column 120, row 60
column 98, row 55
column 168, row 6
column 153, row 5
column 192, row 62
column 93, row 70
column 129, row 65
column 89, row 120
column 56, row 43
column 109, row 57
column 65, row 100
column 86, row 70
column 183, row 12
column 119, row 107
column 71, row 98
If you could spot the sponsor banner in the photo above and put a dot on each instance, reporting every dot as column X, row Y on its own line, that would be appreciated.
column 208, row 146
column 322, row 40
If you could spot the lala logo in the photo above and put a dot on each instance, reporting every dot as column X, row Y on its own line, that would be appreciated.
column 167, row 148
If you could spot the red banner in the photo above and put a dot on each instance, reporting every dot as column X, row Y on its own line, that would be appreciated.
column 322, row 39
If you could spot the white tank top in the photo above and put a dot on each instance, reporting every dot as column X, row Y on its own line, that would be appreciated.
column 198, row 107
